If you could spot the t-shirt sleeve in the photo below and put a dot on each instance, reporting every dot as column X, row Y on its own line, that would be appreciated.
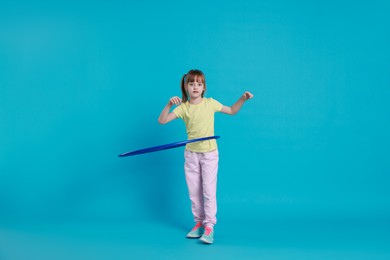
column 216, row 105
column 179, row 111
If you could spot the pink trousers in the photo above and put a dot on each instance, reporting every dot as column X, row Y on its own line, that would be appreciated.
column 201, row 175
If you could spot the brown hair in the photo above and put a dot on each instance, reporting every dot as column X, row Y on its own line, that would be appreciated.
column 190, row 77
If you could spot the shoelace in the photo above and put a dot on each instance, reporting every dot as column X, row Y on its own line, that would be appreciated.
column 208, row 231
column 197, row 226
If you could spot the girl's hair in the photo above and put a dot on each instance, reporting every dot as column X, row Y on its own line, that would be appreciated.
column 190, row 77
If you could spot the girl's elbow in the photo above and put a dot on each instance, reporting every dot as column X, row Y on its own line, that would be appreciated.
column 233, row 112
column 228, row 110
column 230, row 113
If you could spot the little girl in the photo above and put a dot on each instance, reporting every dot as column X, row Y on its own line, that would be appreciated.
column 201, row 158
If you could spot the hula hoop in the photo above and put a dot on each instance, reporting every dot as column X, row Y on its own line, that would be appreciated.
column 167, row 146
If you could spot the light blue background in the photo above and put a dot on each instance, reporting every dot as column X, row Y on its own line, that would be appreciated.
column 82, row 81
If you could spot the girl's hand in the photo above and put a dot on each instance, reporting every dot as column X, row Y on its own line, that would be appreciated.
column 175, row 101
column 247, row 95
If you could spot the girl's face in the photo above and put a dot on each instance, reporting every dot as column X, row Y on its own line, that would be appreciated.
column 195, row 89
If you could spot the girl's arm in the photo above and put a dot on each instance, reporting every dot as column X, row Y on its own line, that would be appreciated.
column 165, row 116
column 237, row 106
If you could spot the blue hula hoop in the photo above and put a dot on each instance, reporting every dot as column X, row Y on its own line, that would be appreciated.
column 167, row 146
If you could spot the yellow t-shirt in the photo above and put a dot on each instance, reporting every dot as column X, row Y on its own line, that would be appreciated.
column 199, row 120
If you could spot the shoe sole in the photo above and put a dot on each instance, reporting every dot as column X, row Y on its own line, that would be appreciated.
column 206, row 241
column 193, row 236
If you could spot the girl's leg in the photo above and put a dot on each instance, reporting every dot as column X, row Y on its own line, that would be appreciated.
column 209, row 165
column 194, row 184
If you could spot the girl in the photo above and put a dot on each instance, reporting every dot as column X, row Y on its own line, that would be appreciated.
column 201, row 158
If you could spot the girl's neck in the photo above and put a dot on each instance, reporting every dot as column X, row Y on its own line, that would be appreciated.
column 196, row 101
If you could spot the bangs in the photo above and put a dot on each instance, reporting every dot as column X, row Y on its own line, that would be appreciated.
column 195, row 74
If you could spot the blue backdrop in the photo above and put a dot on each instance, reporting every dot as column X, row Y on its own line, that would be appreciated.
column 83, row 81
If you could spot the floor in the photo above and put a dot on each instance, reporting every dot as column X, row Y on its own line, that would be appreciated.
column 256, row 239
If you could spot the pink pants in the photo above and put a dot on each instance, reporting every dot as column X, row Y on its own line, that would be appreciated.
column 201, row 175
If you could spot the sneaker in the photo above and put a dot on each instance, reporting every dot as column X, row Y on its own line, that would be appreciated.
column 208, row 236
column 196, row 231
